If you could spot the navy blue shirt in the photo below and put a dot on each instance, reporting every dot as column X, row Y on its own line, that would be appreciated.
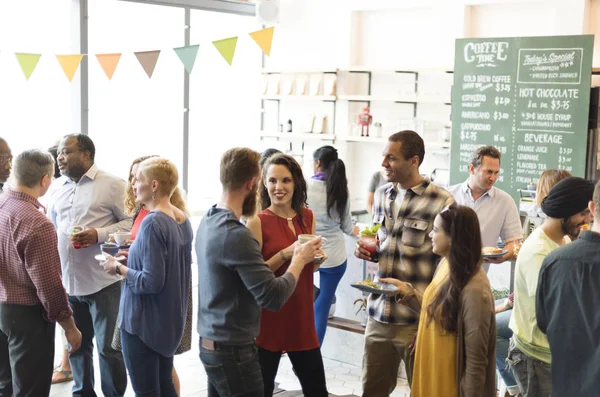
column 154, row 297
column 567, row 311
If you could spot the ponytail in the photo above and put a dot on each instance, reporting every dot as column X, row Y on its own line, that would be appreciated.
column 336, row 183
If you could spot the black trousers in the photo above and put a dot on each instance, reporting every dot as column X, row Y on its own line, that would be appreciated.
column 307, row 364
column 26, row 351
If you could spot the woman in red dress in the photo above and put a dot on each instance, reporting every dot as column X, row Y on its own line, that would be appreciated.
column 291, row 330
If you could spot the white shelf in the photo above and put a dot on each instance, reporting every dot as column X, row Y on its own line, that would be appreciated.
column 304, row 136
column 300, row 97
column 297, row 71
column 371, row 139
column 364, row 69
column 372, row 98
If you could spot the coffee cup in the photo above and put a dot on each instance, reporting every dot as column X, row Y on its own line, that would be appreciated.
column 305, row 238
column 109, row 248
column 122, row 237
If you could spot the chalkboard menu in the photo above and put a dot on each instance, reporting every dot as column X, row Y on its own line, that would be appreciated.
column 527, row 96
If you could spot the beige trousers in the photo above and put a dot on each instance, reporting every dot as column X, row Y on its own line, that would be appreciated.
column 385, row 346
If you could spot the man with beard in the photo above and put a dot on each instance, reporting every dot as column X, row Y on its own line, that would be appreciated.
column 5, row 162
column 567, row 311
column 94, row 199
column 235, row 282
column 529, row 357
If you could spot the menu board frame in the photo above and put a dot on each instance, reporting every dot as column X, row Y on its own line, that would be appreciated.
column 527, row 96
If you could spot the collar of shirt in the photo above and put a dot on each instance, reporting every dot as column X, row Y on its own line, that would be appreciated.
column 467, row 190
column 392, row 190
column 90, row 174
column 24, row 197
column 320, row 176
column 590, row 236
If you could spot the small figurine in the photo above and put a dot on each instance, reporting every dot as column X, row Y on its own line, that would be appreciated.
column 365, row 119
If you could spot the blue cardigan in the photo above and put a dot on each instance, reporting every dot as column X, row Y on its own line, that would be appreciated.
column 154, row 297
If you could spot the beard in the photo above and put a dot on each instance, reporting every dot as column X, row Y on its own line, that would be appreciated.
column 250, row 203
column 570, row 228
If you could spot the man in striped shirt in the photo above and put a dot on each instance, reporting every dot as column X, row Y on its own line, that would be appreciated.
column 405, row 207
column 32, row 297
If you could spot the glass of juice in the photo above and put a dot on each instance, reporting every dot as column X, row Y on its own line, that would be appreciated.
column 369, row 242
column 74, row 230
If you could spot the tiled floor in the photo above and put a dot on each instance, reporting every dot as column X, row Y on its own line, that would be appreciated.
column 342, row 379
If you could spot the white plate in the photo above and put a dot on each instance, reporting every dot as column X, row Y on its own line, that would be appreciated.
column 102, row 258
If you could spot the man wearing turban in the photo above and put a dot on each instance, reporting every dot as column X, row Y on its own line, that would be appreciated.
column 529, row 357
column 567, row 310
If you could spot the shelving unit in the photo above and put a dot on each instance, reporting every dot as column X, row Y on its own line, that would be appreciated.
column 411, row 98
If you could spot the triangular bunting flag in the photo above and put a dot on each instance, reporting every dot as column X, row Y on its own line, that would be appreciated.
column 70, row 64
column 109, row 63
column 264, row 38
column 28, row 62
column 227, row 48
column 148, row 60
column 187, row 55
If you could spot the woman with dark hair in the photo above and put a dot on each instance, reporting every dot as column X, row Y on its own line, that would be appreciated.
column 329, row 200
column 284, row 216
column 456, row 341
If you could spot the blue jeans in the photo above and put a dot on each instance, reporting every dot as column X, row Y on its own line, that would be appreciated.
column 96, row 316
column 533, row 376
column 150, row 372
column 329, row 279
column 503, row 335
column 232, row 371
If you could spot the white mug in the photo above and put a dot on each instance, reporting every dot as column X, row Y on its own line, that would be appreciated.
column 305, row 238
column 122, row 237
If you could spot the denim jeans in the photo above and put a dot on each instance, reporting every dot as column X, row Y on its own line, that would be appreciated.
column 26, row 351
column 534, row 377
column 502, row 340
column 329, row 278
column 149, row 372
column 232, row 371
column 96, row 316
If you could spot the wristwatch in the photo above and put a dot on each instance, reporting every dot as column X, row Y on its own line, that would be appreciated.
column 118, row 270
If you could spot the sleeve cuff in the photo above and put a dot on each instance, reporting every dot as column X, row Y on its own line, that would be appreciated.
column 102, row 235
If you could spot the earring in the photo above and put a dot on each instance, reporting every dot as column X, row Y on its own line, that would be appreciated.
column 153, row 196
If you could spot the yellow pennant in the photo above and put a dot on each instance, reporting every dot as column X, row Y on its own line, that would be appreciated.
column 264, row 39
column 70, row 64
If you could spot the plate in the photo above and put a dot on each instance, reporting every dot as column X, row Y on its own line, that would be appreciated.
column 504, row 252
column 102, row 258
column 371, row 290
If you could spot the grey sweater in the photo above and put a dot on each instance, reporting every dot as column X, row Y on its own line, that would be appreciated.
column 234, row 281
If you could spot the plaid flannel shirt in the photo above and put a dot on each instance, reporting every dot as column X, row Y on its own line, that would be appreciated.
column 405, row 248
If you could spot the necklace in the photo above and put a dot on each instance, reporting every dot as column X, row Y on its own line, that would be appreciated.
column 281, row 216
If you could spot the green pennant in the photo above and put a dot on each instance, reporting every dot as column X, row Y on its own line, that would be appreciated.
column 187, row 55
column 227, row 48
column 28, row 62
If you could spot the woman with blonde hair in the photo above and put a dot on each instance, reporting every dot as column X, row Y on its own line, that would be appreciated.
column 157, row 280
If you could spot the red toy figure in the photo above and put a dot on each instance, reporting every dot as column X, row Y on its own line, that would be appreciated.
column 365, row 119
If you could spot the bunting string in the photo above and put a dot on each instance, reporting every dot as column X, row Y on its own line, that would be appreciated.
column 147, row 59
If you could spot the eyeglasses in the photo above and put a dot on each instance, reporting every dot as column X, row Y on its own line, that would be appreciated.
column 5, row 160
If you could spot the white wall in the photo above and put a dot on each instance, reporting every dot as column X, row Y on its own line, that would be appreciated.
column 413, row 34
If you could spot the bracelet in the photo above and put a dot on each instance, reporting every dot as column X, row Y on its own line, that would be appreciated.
column 117, row 270
column 283, row 256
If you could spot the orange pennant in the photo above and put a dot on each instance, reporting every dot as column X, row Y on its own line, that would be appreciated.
column 264, row 39
column 109, row 63
column 70, row 64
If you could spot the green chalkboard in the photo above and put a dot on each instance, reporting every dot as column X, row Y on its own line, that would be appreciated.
column 529, row 97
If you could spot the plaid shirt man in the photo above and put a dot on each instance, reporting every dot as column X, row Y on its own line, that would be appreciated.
column 405, row 248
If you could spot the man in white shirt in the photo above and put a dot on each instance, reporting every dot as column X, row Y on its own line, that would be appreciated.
column 93, row 199
column 497, row 212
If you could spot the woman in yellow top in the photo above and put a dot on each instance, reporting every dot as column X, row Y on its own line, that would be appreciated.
column 456, row 342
